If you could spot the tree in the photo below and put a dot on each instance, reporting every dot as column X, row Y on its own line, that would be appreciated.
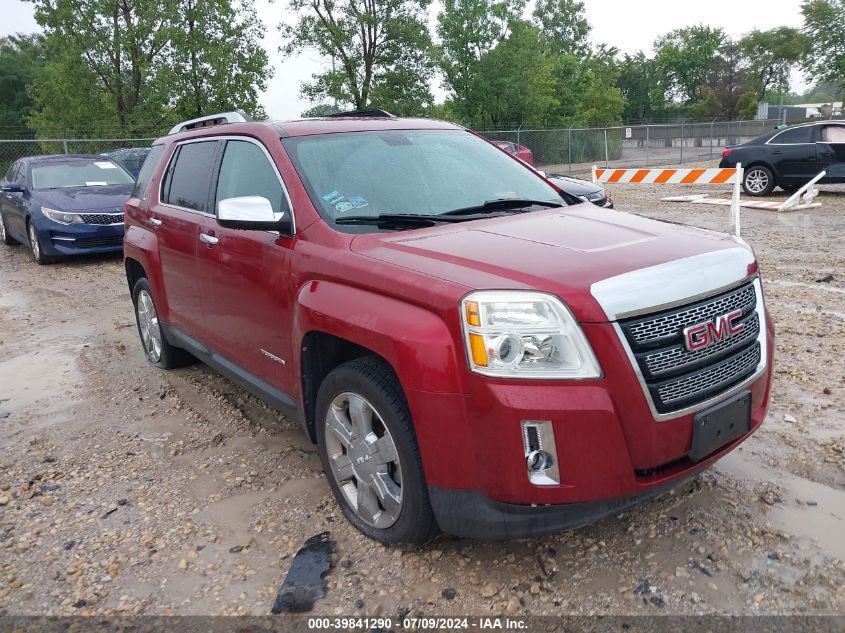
column 217, row 61
column 321, row 109
column 512, row 84
column 469, row 29
column 686, row 60
column 381, row 48
column 601, row 100
column 135, row 66
column 22, row 57
column 772, row 56
column 824, row 25
column 730, row 78
column 564, row 25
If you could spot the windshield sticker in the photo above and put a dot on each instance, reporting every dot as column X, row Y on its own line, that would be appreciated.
column 104, row 165
column 342, row 203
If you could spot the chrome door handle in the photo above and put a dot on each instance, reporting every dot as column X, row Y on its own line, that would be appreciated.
column 208, row 239
column 153, row 221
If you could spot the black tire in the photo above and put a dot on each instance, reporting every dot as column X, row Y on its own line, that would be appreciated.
column 164, row 355
column 35, row 246
column 758, row 181
column 7, row 239
column 373, row 381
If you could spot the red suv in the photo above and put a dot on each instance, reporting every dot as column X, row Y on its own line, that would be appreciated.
column 470, row 348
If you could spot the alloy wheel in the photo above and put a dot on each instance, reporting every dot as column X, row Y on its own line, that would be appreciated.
column 33, row 242
column 149, row 326
column 364, row 460
column 756, row 181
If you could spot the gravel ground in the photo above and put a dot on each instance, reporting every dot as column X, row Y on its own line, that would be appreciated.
column 126, row 490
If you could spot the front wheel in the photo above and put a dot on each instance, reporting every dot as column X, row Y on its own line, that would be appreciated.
column 758, row 181
column 35, row 245
column 7, row 239
column 370, row 455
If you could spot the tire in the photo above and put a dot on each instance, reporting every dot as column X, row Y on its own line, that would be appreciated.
column 158, row 352
column 373, row 471
column 35, row 245
column 7, row 239
column 758, row 181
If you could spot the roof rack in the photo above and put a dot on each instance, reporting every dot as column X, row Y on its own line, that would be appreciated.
column 237, row 116
column 362, row 114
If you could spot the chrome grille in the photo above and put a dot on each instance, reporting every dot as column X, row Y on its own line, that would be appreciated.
column 674, row 376
column 710, row 380
column 102, row 218
column 679, row 357
column 650, row 330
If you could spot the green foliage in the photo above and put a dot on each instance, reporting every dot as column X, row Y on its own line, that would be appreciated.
column 321, row 109
column 468, row 30
column 686, row 60
column 381, row 49
column 217, row 62
column 564, row 25
column 772, row 55
column 707, row 108
column 21, row 59
column 824, row 24
column 512, row 83
column 747, row 106
column 136, row 66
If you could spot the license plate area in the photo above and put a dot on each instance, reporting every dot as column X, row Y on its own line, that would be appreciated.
column 720, row 425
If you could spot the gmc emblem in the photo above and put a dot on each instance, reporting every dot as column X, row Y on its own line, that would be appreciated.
column 703, row 335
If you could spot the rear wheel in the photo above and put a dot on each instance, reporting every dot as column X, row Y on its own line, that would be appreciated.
column 758, row 181
column 157, row 350
column 7, row 239
column 370, row 455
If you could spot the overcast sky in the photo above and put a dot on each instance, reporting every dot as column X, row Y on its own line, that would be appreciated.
column 629, row 26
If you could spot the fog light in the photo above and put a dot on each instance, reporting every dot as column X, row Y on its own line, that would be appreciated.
column 538, row 440
column 539, row 460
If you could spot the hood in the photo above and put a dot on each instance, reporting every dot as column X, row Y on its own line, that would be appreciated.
column 574, row 186
column 106, row 198
column 561, row 251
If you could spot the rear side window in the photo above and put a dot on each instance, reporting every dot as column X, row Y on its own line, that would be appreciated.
column 187, row 182
column 247, row 171
column 795, row 135
column 147, row 171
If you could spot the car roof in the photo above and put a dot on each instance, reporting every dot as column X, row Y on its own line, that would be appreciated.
column 319, row 125
column 64, row 158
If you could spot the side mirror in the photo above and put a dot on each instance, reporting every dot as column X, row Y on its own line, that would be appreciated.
column 11, row 187
column 250, row 213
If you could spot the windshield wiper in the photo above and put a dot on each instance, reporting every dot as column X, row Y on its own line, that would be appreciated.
column 408, row 219
column 503, row 204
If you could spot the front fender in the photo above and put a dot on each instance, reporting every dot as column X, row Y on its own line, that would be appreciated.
column 416, row 342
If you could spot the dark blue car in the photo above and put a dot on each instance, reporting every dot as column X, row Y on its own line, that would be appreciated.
column 66, row 204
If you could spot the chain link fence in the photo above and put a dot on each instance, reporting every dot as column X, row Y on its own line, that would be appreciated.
column 12, row 150
column 557, row 150
column 576, row 150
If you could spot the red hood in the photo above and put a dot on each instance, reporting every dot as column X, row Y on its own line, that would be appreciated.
column 562, row 251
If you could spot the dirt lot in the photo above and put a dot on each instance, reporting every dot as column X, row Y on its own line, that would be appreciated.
column 128, row 490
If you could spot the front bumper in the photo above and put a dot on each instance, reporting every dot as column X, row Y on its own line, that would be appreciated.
column 470, row 514
column 612, row 453
column 80, row 239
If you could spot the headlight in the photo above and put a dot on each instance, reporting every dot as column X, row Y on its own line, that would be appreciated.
column 61, row 217
column 519, row 334
column 601, row 194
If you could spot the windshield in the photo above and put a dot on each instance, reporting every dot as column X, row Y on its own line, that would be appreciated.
column 94, row 173
column 415, row 172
